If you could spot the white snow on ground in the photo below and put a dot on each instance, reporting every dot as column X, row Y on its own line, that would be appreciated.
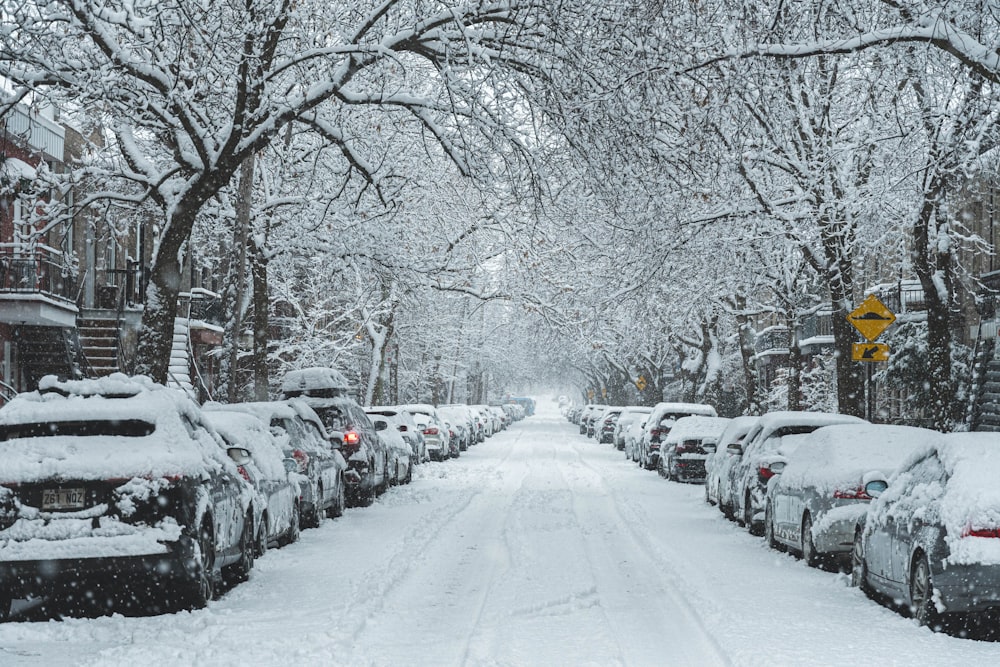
column 538, row 547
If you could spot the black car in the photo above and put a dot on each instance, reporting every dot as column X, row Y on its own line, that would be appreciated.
column 116, row 489
column 326, row 391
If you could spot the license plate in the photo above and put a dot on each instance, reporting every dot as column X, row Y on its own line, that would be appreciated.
column 62, row 499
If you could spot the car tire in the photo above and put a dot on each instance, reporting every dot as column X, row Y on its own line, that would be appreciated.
column 200, row 587
column 922, row 605
column 336, row 509
column 262, row 535
column 769, row 529
column 239, row 571
column 808, row 547
column 859, row 568
column 294, row 531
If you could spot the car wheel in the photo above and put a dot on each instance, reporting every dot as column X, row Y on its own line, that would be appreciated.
column 339, row 503
column 201, row 585
column 922, row 604
column 809, row 554
column 769, row 529
column 239, row 571
column 293, row 532
column 741, row 518
column 859, row 568
column 262, row 535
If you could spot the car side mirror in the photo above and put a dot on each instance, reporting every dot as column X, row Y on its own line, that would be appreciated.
column 381, row 425
column 876, row 487
column 291, row 465
column 240, row 456
column 336, row 439
column 735, row 449
column 403, row 428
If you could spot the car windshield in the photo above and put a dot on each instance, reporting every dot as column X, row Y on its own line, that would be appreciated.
column 133, row 428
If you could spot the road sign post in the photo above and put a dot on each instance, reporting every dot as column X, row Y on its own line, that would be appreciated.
column 871, row 319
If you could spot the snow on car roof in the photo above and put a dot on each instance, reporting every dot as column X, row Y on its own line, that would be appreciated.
column 166, row 451
column 309, row 379
column 773, row 421
column 840, row 456
column 697, row 426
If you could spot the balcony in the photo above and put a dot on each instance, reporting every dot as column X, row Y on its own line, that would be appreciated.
column 772, row 341
column 901, row 297
column 37, row 288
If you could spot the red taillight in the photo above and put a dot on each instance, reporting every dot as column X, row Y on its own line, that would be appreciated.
column 351, row 438
column 243, row 473
column 431, row 430
column 302, row 458
column 852, row 494
column 765, row 473
column 981, row 532
column 451, row 434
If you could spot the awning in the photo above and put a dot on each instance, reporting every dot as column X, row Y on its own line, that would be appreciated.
column 14, row 169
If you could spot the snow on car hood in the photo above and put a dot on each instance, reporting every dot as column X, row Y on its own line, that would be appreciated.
column 167, row 451
column 837, row 457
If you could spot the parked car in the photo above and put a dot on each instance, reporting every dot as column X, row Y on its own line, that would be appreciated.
column 687, row 446
column 718, row 462
column 629, row 415
column 326, row 391
column 633, row 437
column 772, row 437
column 604, row 425
column 436, row 435
column 273, row 474
column 658, row 425
column 300, row 434
column 931, row 537
column 400, row 453
column 460, row 424
column 403, row 421
column 118, row 482
column 584, row 418
column 814, row 504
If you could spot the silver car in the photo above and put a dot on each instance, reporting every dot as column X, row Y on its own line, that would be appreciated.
column 814, row 503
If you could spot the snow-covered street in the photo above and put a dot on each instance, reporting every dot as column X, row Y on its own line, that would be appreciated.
column 538, row 547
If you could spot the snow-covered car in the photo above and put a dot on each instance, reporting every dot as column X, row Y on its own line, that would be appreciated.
column 772, row 438
column 658, row 425
column 274, row 475
column 300, row 434
column 629, row 415
column 401, row 457
column 931, row 536
column 718, row 462
column 460, row 425
column 114, row 482
column 687, row 446
column 814, row 503
column 403, row 421
column 326, row 391
column 604, row 426
column 633, row 437
column 436, row 436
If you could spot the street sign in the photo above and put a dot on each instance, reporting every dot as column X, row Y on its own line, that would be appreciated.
column 871, row 318
column 870, row 352
column 590, row 394
column 640, row 384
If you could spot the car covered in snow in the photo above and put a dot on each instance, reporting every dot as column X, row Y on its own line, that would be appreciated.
column 401, row 456
column 403, row 421
column 604, row 425
column 718, row 462
column 436, row 435
column 814, row 503
column 274, row 475
column 687, row 446
column 658, row 425
column 931, row 537
column 629, row 416
column 327, row 392
column 300, row 434
column 119, row 483
column 774, row 436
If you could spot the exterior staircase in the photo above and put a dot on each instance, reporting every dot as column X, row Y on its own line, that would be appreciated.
column 99, row 340
column 179, row 373
column 49, row 351
column 986, row 408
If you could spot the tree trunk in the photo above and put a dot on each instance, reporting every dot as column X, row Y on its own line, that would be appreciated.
column 261, row 323
column 234, row 299
column 746, row 336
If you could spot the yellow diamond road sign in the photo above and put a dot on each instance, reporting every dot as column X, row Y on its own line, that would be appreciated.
column 871, row 318
column 870, row 352
column 640, row 384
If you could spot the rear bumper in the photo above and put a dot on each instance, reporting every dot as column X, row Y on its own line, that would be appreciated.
column 33, row 578
column 969, row 588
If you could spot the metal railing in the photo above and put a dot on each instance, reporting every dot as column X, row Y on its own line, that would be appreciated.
column 37, row 271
